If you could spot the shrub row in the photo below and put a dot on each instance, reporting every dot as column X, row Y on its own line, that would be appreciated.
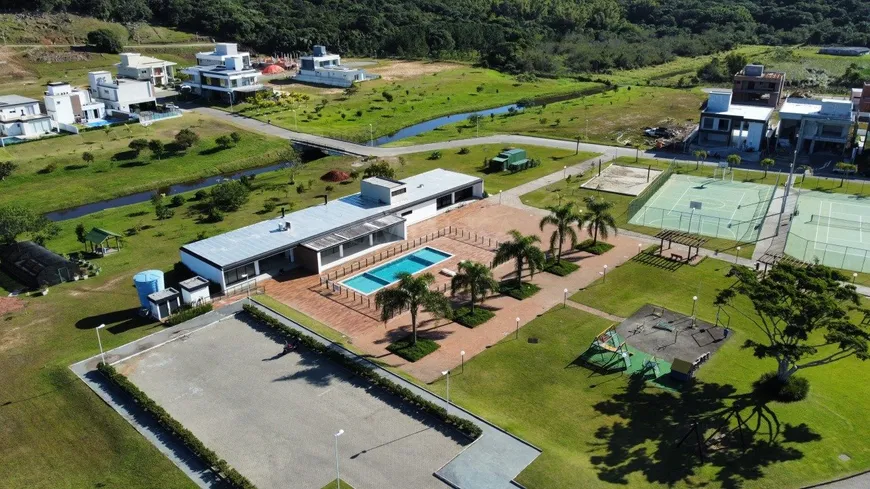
column 235, row 479
column 465, row 317
column 598, row 248
column 562, row 268
column 525, row 291
column 463, row 425
column 410, row 351
column 188, row 314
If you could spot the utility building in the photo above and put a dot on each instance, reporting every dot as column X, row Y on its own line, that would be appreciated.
column 755, row 86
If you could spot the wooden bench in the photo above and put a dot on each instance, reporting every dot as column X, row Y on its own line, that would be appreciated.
column 677, row 257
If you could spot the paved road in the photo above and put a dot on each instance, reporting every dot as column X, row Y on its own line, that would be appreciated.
column 167, row 45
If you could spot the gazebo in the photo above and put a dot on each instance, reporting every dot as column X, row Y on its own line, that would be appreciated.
column 690, row 240
column 100, row 239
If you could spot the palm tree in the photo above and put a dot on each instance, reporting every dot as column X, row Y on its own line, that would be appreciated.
column 597, row 218
column 805, row 168
column 476, row 279
column 522, row 249
column 766, row 163
column 733, row 160
column 700, row 155
column 412, row 293
column 562, row 217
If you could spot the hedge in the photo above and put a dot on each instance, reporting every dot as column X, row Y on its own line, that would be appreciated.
column 598, row 248
column 410, row 351
column 465, row 317
column 188, row 314
column 525, row 291
column 463, row 425
column 561, row 268
column 235, row 479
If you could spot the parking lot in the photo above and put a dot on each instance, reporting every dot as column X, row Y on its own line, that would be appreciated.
column 273, row 416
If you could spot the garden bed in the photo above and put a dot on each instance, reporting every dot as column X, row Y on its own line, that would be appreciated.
column 469, row 319
column 561, row 268
column 407, row 349
column 524, row 291
column 598, row 248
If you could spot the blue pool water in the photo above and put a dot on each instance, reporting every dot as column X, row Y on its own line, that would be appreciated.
column 99, row 123
column 386, row 274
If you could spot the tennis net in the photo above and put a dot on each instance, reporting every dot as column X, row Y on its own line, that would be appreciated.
column 837, row 222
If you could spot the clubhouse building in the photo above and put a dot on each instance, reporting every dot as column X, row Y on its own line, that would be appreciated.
column 332, row 233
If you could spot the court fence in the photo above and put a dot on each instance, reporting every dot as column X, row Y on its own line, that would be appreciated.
column 832, row 255
column 643, row 197
column 716, row 227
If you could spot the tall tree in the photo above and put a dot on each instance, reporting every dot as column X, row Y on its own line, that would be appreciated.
column 700, row 155
column 157, row 148
column 733, row 160
column 16, row 220
column 474, row 278
column 412, row 293
column 597, row 218
column 766, row 163
column 802, row 313
column 522, row 250
column 563, row 218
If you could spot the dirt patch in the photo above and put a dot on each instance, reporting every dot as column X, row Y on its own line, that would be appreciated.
column 10, row 305
column 11, row 65
column 401, row 70
column 55, row 56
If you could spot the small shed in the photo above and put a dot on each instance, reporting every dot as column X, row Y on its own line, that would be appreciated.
column 164, row 303
column 194, row 291
column 100, row 240
column 512, row 159
column 35, row 266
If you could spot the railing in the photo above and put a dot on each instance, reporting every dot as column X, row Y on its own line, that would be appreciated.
column 643, row 197
column 248, row 288
column 717, row 227
column 832, row 255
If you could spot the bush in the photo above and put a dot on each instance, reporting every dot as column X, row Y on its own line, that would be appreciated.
column 464, row 150
column 436, row 155
column 380, row 169
column 200, row 195
column 236, row 137
column 411, row 352
column 49, row 168
column 300, row 189
column 387, row 96
column 163, row 212
column 213, row 214
column 186, row 138
column 177, row 201
column 170, row 424
column 229, row 196
column 562, row 268
column 598, row 248
column 269, row 206
column 525, row 291
column 793, row 390
column 224, row 141
column 188, row 313
column 367, row 372
column 465, row 317
column 138, row 145
column 105, row 41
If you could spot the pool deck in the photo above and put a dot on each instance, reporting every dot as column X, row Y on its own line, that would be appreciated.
column 379, row 281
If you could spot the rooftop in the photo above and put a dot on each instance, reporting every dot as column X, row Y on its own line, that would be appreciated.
column 221, row 69
column 163, row 295
column 7, row 100
column 384, row 182
column 193, row 283
column 747, row 112
column 270, row 236
column 826, row 108
column 139, row 61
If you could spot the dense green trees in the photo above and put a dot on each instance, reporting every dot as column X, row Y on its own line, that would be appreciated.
column 545, row 36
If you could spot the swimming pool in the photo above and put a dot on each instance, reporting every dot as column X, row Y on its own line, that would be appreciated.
column 386, row 274
column 97, row 123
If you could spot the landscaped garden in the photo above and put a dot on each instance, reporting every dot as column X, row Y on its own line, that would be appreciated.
column 610, row 430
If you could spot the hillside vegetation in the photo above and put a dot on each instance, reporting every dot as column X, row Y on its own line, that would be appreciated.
column 545, row 36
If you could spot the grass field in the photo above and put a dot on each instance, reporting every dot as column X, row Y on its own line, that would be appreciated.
column 55, row 432
column 73, row 29
column 613, row 117
column 571, row 191
column 427, row 92
column 601, row 431
column 117, row 171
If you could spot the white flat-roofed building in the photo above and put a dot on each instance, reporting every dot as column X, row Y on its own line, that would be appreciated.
column 326, row 235
column 66, row 104
column 138, row 67
column 733, row 125
column 812, row 125
column 120, row 94
column 224, row 73
column 22, row 116
column 322, row 68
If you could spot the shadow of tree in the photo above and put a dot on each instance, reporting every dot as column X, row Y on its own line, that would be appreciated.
column 647, row 438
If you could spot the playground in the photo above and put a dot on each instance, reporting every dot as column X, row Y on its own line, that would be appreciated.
column 620, row 179
column 711, row 206
column 661, row 345
column 833, row 229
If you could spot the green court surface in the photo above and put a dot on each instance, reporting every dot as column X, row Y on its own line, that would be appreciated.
column 833, row 229
column 722, row 208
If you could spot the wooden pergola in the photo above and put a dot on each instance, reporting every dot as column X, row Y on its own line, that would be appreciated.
column 689, row 240
column 771, row 259
column 100, row 239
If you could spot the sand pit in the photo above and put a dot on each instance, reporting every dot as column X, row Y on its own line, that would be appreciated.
column 626, row 180
column 401, row 70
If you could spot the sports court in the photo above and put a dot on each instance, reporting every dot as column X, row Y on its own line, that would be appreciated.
column 620, row 179
column 708, row 206
column 833, row 228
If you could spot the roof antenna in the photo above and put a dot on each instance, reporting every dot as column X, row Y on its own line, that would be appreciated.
column 282, row 213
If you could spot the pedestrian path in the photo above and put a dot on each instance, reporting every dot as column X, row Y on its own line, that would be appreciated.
column 593, row 311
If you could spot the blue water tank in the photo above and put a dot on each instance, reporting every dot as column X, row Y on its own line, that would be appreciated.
column 148, row 282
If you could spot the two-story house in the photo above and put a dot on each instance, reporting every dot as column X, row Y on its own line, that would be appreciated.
column 22, row 116
column 224, row 73
column 753, row 85
column 323, row 68
column 727, row 124
column 120, row 94
column 811, row 125
column 66, row 104
column 145, row 68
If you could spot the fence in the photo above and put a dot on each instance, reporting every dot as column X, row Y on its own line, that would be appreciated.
column 717, row 227
column 763, row 206
column 249, row 288
column 854, row 186
column 837, row 256
column 643, row 197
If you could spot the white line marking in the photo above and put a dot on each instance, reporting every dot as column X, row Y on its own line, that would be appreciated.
column 324, row 392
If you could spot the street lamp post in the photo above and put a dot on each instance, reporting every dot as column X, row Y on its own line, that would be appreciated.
column 586, row 137
column 371, row 136
column 100, row 342
column 295, row 122
column 694, row 303
column 854, row 276
column 499, row 197
column 565, row 300
column 517, row 331
column 565, row 171
column 639, row 247
column 446, row 373
column 337, row 472
column 737, row 256
column 462, row 356
column 605, row 274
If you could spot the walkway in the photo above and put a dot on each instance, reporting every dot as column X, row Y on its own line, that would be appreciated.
column 593, row 311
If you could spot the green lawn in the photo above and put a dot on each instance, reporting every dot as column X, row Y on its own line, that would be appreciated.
column 66, row 28
column 458, row 89
column 336, row 485
column 104, row 178
column 90, row 445
column 600, row 431
column 571, row 191
column 612, row 117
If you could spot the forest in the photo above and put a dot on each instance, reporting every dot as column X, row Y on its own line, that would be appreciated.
column 547, row 37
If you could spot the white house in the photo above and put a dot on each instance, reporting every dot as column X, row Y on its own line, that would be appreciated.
column 22, row 116
column 726, row 124
column 323, row 68
column 811, row 125
column 68, row 105
column 327, row 235
column 137, row 67
column 224, row 73
column 119, row 94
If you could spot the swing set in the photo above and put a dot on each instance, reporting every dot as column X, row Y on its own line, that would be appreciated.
column 609, row 342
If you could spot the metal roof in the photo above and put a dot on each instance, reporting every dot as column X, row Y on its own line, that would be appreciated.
column 98, row 235
column 352, row 232
column 747, row 112
column 163, row 295
column 7, row 100
column 272, row 236
column 194, row 283
column 384, row 182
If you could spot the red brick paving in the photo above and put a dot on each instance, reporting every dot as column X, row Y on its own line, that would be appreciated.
column 353, row 317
